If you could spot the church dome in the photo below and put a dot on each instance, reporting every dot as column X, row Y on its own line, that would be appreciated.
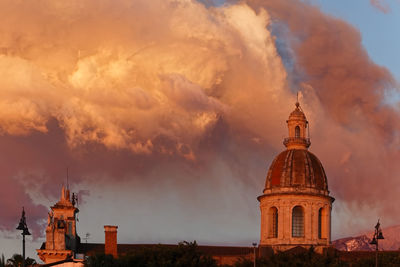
column 295, row 204
column 297, row 168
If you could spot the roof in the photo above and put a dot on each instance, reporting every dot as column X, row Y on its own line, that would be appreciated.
column 297, row 113
column 57, row 263
column 296, row 168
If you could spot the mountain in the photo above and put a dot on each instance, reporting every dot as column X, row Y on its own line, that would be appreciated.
column 361, row 242
column 354, row 243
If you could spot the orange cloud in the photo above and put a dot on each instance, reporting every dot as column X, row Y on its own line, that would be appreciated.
column 120, row 89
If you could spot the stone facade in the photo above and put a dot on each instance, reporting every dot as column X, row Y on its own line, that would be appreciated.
column 317, row 228
column 295, row 205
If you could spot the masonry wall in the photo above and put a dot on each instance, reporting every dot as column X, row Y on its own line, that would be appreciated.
column 285, row 204
column 110, row 244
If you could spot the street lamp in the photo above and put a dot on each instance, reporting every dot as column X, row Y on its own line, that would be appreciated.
column 377, row 235
column 254, row 247
column 24, row 228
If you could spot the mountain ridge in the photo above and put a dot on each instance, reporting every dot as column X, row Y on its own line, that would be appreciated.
column 361, row 242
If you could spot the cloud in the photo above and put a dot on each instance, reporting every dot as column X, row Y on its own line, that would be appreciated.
column 106, row 79
column 344, row 99
column 174, row 91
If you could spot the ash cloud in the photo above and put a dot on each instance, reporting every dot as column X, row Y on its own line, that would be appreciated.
column 344, row 90
column 132, row 90
column 111, row 90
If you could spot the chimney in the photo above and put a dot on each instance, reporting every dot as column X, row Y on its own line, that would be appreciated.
column 110, row 246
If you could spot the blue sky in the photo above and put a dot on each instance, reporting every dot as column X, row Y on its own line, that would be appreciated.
column 380, row 32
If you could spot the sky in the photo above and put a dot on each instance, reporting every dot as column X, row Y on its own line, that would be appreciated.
column 377, row 24
column 168, row 113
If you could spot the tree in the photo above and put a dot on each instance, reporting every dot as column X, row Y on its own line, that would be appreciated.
column 101, row 260
column 2, row 261
column 185, row 254
column 306, row 258
column 16, row 261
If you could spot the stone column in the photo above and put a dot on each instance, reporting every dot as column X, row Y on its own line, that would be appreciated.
column 315, row 225
column 287, row 222
column 308, row 231
column 328, row 223
column 281, row 212
column 264, row 224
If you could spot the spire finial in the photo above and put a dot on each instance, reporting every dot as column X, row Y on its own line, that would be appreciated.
column 63, row 193
column 297, row 101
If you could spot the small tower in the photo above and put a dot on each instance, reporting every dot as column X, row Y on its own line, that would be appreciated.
column 295, row 204
column 61, row 237
column 297, row 126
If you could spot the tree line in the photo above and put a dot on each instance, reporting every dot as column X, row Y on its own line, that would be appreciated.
column 187, row 254
column 16, row 261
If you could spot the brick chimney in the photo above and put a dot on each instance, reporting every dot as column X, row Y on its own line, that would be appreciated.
column 110, row 245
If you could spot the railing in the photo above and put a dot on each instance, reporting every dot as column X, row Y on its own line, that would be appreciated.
column 297, row 140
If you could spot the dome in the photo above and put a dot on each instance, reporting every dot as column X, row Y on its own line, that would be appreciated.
column 297, row 168
column 297, row 113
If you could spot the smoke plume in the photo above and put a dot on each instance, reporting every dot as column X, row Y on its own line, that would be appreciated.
column 381, row 5
column 178, row 93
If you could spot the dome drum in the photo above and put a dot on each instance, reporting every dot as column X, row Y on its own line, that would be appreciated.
column 315, row 229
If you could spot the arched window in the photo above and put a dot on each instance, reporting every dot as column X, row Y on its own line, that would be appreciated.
column 320, row 223
column 297, row 132
column 273, row 222
column 297, row 222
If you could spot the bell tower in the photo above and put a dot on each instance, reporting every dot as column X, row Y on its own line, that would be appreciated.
column 61, row 237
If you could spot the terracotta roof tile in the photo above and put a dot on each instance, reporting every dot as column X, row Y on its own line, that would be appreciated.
column 296, row 168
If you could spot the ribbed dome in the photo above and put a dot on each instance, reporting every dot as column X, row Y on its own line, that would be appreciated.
column 297, row 113
column 296, row 168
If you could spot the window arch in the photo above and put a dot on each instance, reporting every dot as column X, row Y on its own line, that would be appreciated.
column 297, row 222
column 297, row 132
column 273, row 222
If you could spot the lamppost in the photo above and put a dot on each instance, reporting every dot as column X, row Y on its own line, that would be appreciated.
column 254, row 250
column 377, row 235
column 22, row 226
